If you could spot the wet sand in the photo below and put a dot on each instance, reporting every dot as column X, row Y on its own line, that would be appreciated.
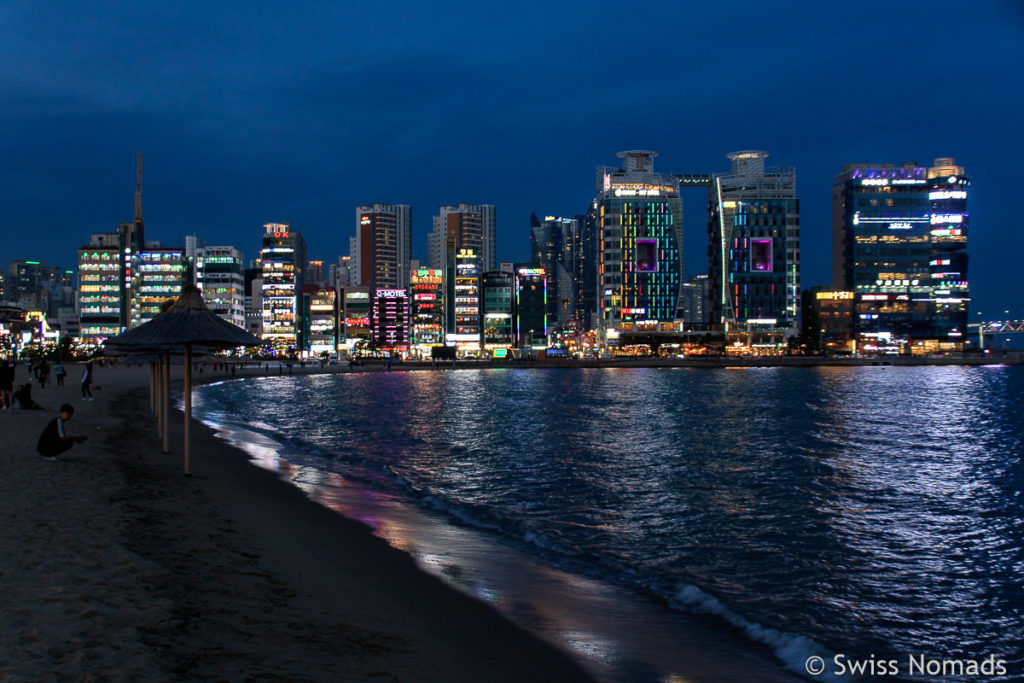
column 114, row 566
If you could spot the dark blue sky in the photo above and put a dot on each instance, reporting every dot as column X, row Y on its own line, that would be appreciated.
column 260, row 111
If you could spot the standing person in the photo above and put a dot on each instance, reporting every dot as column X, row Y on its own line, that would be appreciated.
column 6, row 384
column 54, row 441
column 44, row 373
column 87, row 382
column 60, row 373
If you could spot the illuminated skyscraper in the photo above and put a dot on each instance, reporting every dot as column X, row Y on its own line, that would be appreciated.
column 497, row 308
column 899, row 243
column 640, row 219
column 464, row 315
column 160, row 276
column 555, row 244
column 220, row 277
column 100, row 286
column 466, row 226
column 283, row 260
column 531, row 328
column 382, row 247
column 427, row 309
column 754, row 245
column 146, row 275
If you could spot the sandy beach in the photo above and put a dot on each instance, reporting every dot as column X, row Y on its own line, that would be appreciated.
column 114, row 566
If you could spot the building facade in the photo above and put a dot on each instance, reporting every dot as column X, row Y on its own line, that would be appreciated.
column 466, row 226
column 531, row 327
column 382, row 247
column 497, row 301
column 160, row 276
column 464, row 316
column 320, row 316
column 282, row 259
column 220, row 277
column 427, row 310
column 100, row 287
column 640, row 217
column 900, row 245
column 390, row 321
column 354, row 319
column 754, row 245
column 555, row 245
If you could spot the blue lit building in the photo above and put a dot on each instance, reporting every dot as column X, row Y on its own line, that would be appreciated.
column 754, row 246
column 900, row 245
column 640, row 268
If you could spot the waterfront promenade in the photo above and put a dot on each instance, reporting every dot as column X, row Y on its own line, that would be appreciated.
column 116, row 567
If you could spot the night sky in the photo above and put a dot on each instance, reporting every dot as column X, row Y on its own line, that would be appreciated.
column 254, row 112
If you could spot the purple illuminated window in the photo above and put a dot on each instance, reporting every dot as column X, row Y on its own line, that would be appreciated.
column 761, row 255
column 646, row 255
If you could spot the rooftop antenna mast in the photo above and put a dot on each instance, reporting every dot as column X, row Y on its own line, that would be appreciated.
column 138, row 193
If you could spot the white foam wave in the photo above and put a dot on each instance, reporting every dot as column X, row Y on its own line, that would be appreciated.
column 792, row 649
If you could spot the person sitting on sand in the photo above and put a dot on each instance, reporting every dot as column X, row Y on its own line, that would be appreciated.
column 23, row 395
column 53, row 441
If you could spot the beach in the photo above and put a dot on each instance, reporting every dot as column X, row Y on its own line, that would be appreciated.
column 114, row 566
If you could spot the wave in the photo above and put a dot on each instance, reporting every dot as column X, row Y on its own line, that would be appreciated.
column 791, row 649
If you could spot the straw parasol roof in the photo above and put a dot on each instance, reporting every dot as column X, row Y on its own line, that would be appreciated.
column 187, row 321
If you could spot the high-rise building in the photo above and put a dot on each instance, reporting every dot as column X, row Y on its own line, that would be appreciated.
column 354, row 318
column 161, row 274
column 100, row 287
column 754, row 245
column 640, row 219
column 36, row 286
column 390, row 320
column 497, row 309
column 531, row 327
column 427, row 310
column 283, row 260
column 466, row 226
column 588, row 260
column 147, row 275
column 382, row 247
column 900, row 245
column 220, row 276
column 695, row 298
column 464, row 316
column 320, row 316
column 555, row 244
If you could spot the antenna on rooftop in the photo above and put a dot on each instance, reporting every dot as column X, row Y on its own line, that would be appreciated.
column 138, row 193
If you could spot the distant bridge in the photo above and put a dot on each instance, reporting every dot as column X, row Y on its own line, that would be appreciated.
column 993, row 329
column 999, row 327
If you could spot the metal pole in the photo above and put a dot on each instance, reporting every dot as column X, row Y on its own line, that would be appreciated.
column 165, row 390
column 188, row 406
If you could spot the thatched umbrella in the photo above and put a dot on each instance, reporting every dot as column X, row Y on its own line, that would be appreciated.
column 186, row 323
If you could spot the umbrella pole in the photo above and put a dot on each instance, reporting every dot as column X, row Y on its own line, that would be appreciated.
column 165, row 390
column 159, row 399
column 188, row 405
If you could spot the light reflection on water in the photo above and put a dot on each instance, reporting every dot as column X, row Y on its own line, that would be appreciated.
column 875, row 510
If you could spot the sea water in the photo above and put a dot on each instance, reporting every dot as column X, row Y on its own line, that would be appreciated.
column 869, row 516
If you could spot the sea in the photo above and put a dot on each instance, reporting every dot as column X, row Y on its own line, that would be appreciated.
column 673, row 524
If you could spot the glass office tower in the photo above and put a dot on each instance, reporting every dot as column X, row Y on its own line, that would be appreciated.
column 900, row 244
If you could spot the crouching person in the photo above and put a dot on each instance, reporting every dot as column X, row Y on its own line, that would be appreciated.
column 54, row 441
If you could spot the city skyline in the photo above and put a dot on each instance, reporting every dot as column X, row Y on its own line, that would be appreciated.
column 232, row 144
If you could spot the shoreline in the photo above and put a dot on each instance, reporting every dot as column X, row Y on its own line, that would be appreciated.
column 251, row 368
column 119, row 567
